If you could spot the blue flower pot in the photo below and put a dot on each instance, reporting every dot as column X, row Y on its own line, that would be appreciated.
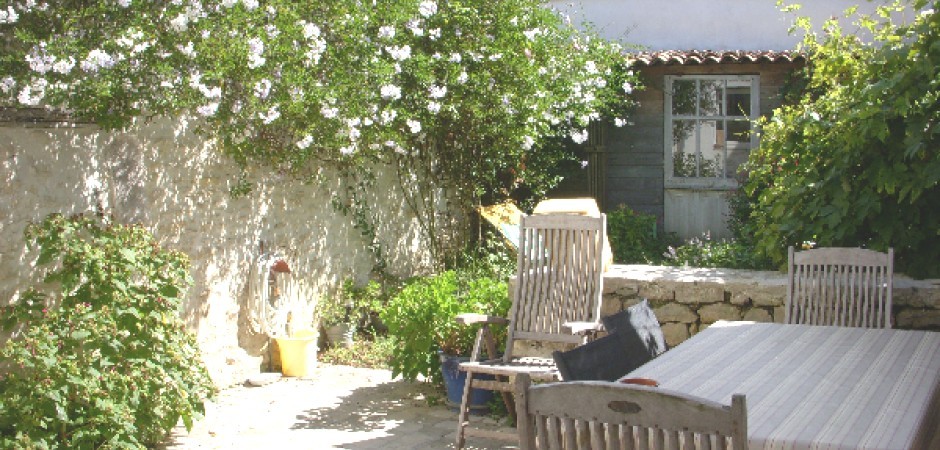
column 454, row 381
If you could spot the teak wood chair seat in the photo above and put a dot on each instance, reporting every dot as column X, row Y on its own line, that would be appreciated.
column 556, row 300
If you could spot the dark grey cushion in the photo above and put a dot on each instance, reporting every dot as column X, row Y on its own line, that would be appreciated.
column 640, row 323
column 634, row 338
column 605, row 359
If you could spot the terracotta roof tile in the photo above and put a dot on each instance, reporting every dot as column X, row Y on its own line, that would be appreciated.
column 687, row 57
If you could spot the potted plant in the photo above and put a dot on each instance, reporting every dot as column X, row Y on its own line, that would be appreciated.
column 430, row 342
column 341, row 314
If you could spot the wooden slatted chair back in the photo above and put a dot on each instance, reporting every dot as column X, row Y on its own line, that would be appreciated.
column 604, row 415
column 559, row 278
column 850, row 287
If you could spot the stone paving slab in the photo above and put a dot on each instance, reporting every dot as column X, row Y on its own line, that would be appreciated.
column 335, row 407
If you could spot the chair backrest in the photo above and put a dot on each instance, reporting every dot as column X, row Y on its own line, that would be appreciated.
column 839, row 286
column 604, row 415
column 559, row 278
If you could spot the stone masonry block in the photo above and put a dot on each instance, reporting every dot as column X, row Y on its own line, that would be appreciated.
column 675, row 333
column 758, row 315
column 674, row 312
column 719, row 311
column 918, row 319
column 691, row 293
column 656, row 291
column 757, row 295
column 780, row 314
column 620, row 286
column 916, row 297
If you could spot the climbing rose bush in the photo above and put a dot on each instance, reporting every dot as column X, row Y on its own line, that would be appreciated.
column 472, row 87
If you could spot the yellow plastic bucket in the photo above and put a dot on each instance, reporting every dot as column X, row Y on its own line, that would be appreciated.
column 298, row 353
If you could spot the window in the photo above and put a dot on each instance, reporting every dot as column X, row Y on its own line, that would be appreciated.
column 709, row 128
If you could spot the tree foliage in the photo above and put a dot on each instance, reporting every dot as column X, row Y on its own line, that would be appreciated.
column 855, row 162
column 455, row 96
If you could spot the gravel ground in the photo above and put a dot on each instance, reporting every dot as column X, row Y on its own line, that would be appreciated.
column 335, row 407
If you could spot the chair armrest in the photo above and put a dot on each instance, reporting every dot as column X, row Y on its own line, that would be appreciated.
column 473, row 318
column 582, row 328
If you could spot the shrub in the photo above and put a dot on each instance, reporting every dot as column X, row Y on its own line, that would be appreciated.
column 633, row 237
column 855, row 161
column 704, row 252
column 421, row 318
column 99, row 356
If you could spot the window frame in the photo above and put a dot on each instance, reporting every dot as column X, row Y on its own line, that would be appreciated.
column 673, row 182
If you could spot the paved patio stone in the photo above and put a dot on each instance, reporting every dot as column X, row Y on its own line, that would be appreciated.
column 336, row 407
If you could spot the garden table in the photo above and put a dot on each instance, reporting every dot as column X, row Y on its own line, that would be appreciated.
column 814, row 387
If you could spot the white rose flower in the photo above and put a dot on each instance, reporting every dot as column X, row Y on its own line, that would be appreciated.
column 263, row 88
column 436, row 91
column 427, row 8
column 414, row 126
column 329, row 112
column 208, row 109
column 390, row 92
column 590, row 67
column 579, row 137
column 388, row 116
column 305, row 142
column 386, row 32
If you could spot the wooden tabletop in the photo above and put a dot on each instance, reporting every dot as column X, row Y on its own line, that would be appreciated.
column 814, row 387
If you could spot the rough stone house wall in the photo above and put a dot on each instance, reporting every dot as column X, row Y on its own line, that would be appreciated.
column 170, row 180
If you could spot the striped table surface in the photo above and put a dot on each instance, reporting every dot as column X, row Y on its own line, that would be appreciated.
column 814, row 387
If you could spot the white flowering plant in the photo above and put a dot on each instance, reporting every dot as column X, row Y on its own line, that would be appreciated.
column 466, row 90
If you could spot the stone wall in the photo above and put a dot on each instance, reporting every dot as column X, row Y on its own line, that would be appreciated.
column 162, row 175
column 688, row 300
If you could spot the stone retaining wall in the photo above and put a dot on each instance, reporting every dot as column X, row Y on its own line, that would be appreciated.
column 688, row 300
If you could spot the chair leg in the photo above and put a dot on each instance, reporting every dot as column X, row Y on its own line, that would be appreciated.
column 508, row 399
column 462, row 417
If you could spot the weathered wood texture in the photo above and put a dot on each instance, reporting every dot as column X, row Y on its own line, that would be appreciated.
column 840, row 286
column 635, row 153
column 604, row 415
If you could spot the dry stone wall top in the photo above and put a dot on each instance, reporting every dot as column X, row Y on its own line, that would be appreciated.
column 686, row 300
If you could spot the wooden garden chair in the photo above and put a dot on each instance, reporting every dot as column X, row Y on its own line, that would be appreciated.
column 603, row 415
column 556, row 302
column 849, row 287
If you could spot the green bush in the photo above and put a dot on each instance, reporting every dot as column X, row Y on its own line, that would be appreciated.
column 99, row 356
column 421, row 318
column 633, row 237
column 855, row 161
column 704, row 252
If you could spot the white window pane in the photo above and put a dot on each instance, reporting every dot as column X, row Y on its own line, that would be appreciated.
column 712, row 151
column 739, row 145
column 711, row 97
column 684, row 148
